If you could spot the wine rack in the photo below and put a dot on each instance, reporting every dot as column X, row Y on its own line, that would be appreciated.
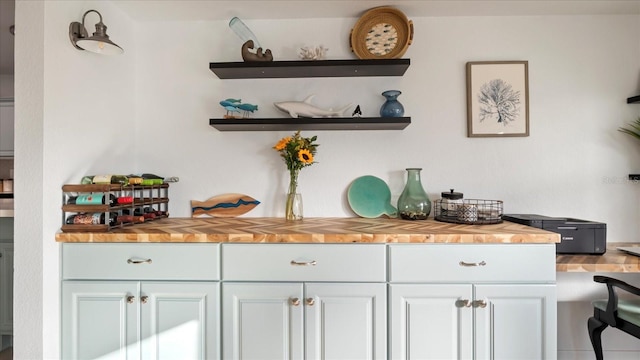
column 155, row 197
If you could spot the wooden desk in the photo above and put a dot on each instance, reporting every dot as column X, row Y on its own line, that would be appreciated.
column 612, row 261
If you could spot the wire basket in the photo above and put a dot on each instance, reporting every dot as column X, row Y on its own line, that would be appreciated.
column 470, row 211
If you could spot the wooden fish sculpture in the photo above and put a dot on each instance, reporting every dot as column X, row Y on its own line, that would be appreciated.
column 225, row 205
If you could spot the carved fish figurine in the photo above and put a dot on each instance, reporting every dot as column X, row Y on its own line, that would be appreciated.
column 306, row 109
column 225, row 205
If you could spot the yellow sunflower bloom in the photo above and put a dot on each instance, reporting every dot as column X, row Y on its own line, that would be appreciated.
column 305, row 156
column 282, row 143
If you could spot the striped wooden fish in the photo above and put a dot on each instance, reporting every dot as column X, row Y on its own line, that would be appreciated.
column 225, row 205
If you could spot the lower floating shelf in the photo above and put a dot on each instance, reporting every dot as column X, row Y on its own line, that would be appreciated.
column 633, row 100
column 635, row 177
column 280, row 124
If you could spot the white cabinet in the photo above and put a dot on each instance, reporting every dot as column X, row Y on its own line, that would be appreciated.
column 340, row 313
column 6, row 127
column 472, row 302
column 6, row 288
column 115, row 305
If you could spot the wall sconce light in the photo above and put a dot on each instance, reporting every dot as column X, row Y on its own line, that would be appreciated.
column 98, row 43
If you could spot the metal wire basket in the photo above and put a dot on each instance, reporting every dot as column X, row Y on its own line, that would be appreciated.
column 470, row 211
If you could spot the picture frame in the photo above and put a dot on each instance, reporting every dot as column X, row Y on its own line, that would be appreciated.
column 497, row 98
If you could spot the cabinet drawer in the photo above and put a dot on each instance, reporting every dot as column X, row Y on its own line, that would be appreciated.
column 455, row 263
column 304, row 262
column 129, row 261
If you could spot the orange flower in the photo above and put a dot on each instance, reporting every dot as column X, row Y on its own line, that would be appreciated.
column 282, row 143
column 305, row 156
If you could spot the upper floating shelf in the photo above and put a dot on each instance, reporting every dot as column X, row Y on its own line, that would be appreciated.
column 633, row 100
column 281, row 124
column 310, row 68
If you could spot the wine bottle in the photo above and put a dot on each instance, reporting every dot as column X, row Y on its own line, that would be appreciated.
column 99, row 198
column 129, row 219
column 151, row 210
column 139, row 212
column 91, row 219
column 92, row 199
column 105, row 179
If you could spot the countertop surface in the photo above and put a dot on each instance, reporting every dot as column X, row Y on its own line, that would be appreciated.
column 314, row 230
column 612, row 261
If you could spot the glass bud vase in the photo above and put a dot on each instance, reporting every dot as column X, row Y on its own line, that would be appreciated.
column 293, row 205
column 392, row 107
column 414, row 204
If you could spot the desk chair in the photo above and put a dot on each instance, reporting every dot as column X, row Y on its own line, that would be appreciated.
column 621, row 314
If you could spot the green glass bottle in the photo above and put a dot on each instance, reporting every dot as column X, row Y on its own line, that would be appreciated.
column 414, row 204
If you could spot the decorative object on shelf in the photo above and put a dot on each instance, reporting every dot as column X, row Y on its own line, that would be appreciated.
column 236, row 106
column 392, row 107
column 497, row 98
column 225, row 205
column 98, row 43
column 306, row 109
column 357, row 112
column 297, row 152
column 470, row 211
column 413, row 203
column 381, row 33
column 249, row 42
column 313, row 53
column 370, row 197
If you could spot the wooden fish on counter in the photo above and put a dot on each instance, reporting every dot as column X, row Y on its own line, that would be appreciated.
column 225, row 205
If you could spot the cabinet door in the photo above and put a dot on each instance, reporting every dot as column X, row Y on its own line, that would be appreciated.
column 431, row 321
column 262, row 321
column 179, row 320
column 345, row 321
column 100, row 320
column 6, row 128
column 518, row 322
column 6, row 289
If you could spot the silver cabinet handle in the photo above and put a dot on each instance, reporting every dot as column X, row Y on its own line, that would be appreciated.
column 479, row 304
column 294, row 301
column 481, row 263
column 135, row 262
column 463, row 303
column 310, row 301
column 304, row 263
column 144, row 299
column 130, row 299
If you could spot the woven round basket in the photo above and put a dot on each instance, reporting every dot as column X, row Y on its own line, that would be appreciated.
column 381, row 33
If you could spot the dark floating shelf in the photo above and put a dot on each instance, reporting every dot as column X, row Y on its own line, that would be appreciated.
column 281, row 124
column 633, row 100
column 310, row 68
column 6, row 195
column 635, row 177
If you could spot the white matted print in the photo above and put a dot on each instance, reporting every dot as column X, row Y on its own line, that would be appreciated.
column 497, row 98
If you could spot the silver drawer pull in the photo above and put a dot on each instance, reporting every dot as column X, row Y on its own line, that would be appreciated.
column 131, row 299
column 135, row 262
column 310, row 301
column 294, row 301
column 144, row 299
column 463, row 303
column 304, row 263
column 481, row 263
column 479, row 304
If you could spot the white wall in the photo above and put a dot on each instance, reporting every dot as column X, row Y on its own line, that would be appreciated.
column 75, row 114
column 575, row 163
column 148, row 111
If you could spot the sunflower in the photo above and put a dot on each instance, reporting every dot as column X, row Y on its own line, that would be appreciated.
column 305, row 156
column 282, row 143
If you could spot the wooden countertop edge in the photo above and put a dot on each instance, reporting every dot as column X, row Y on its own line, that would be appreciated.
column 613, row 261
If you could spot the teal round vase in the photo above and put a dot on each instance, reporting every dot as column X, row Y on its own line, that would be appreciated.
column 392, row 107
column 413, row 203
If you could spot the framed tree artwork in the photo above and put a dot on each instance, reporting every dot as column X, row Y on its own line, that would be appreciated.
column 497, row 98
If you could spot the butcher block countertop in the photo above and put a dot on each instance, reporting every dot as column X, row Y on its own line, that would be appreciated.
column 612, row 261
column 314, row 230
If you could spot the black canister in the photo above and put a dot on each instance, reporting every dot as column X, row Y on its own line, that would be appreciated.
column 450, row 202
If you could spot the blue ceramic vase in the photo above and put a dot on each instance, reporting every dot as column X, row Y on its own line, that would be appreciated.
column 392, row 107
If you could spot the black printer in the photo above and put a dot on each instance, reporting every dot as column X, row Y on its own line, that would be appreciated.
column 577, row 236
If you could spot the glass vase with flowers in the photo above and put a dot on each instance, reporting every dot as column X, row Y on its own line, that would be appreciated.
column 297, row 152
